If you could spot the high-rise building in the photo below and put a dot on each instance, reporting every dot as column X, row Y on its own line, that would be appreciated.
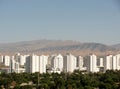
column 92, row 63
column 80, row 63
column 32, row 63
column 100, row 62
column 69, row 63
column 57, row 63
column 22, row 59
column 36, row 63
column 17, row 57
column 112, row 62
column 118, row 61
column 42, row 63
column 6, row 60
column 108, row 62
column 14, row 66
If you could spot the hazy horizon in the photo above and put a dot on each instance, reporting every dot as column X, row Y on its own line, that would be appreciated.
column 84, row 21
column 58, row 40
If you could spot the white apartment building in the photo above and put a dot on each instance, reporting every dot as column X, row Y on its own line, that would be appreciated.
column 17, row 57
column 36, row 63
column 6, row 60
column 100, row 62
column 42, row 63
column 69, row 63
column 32, row 63
column 22, row 59
column 80, row 63
column 92, row 63
column 112, row 62
column 57, row 63
column 108, row 62
column 14, row 66
column 118, row 61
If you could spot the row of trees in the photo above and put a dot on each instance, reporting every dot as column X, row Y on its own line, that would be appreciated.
column 76, row 80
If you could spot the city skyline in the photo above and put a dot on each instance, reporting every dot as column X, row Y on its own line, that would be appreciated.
column 84, row 21
column 57, row 63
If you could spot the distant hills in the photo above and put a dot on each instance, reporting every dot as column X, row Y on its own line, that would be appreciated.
column 116, row 46
column 58, row 46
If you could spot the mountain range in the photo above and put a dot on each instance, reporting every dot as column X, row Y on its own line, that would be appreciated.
column 58, row 46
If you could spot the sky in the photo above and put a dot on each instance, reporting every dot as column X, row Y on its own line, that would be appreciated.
column 79, row 20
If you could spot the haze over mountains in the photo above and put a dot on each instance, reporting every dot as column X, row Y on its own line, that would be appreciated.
column 58, row 46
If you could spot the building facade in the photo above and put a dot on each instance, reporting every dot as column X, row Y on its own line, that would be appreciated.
column 69, row 63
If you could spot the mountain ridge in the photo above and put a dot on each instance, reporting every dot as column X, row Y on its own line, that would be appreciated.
column 58, row 46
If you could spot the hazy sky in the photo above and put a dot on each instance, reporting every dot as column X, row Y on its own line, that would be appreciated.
column 81, row 20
